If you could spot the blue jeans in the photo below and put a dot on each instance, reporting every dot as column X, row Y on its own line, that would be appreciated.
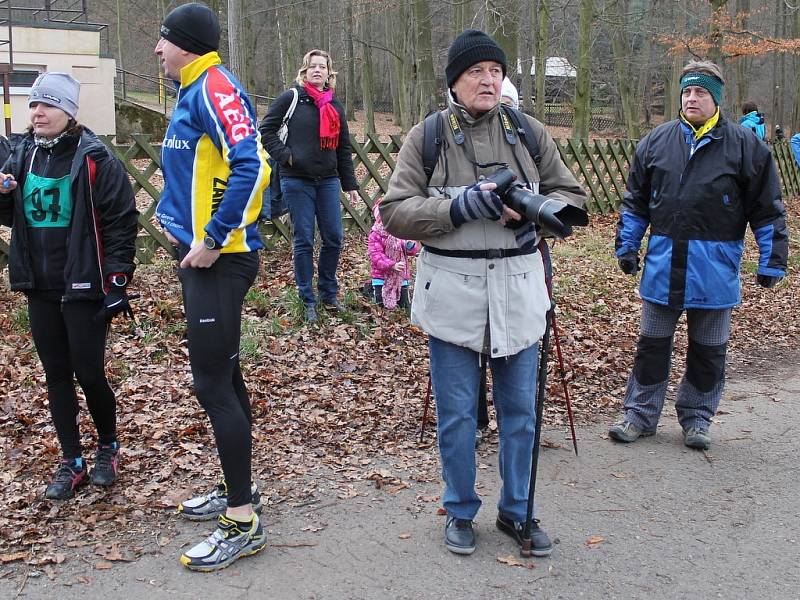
column 456, row 373
column 311, row 201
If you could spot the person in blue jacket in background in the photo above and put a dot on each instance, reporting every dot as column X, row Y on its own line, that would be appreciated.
column 752, row 119
column 696, row 182
column 795, row 141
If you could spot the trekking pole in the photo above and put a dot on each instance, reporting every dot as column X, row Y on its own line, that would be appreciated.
column 548, row 279
column 425, row 410
column 564, row 385
column 525, row 550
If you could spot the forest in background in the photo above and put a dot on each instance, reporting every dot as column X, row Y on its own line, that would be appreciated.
column 390, row 56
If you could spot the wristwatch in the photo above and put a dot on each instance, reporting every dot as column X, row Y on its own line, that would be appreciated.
column 210, row 243
column 118, row 279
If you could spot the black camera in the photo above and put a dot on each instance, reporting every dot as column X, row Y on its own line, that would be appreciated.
column 553, row 216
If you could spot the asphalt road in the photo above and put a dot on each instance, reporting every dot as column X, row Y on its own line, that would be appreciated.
column 651, row 520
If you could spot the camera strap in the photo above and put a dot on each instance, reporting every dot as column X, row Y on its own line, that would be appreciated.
column 515, row 125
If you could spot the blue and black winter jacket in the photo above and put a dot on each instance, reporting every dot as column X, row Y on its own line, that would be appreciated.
column 697, row 198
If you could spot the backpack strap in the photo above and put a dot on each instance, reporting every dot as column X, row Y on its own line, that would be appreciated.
column 431, row 142
column 525, row 132
column 283, row 130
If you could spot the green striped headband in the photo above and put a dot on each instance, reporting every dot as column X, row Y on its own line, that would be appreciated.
column 704, row 80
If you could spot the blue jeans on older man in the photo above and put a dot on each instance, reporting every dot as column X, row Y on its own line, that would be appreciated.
column 455, row 374
column 311, row 202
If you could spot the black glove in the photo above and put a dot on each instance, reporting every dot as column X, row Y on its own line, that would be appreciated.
column 115, row 302
column 768, row 281
column 629, row 263
column 473, row 204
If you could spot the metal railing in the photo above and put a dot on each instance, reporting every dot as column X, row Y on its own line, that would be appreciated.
column 158, row 93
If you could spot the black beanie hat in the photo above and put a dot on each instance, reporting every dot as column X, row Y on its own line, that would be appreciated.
column 470, row 47
column 192, row 27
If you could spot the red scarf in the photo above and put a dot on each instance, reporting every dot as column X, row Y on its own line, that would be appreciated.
column 329, row 125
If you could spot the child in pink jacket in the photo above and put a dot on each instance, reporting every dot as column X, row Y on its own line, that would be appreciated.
column 391, row 273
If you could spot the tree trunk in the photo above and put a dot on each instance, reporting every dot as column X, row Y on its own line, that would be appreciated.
column 426, row 80
column 621, row 48
column 796, row 112
column 501, row 21
column 120, row 55
column 462, row 16
column 401, row 46
column 583, row 81
column 672, row 95
column 350, row 98
column 743, row 63
column 542, row 44
column 237, row 57
column 526, row 60
column 714, row 32
column 366, row 77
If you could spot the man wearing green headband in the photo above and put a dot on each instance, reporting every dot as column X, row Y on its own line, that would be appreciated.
column 696, row 183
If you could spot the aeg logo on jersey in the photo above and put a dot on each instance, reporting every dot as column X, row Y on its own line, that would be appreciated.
column 229, row 107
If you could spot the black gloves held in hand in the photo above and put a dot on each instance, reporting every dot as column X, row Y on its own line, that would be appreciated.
column 768, row 281
column 473, row 204
column 629, row 263
column 115, row 302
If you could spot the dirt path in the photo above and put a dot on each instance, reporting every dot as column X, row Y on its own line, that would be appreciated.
column 647, row 520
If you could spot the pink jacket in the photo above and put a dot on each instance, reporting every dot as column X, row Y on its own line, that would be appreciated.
column 382, row 264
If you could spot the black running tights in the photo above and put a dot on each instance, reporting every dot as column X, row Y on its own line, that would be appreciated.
column 71, row 345
column 213, row 301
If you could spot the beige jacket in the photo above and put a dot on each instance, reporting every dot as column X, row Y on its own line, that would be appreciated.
column 495, row 306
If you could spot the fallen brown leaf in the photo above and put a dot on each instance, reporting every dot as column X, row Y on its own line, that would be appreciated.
column 513, row 561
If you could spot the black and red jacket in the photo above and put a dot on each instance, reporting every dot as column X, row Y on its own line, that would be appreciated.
column 100, row 239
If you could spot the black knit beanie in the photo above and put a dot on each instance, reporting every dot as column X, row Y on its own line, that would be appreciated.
column 470, row 47
column 192, row 27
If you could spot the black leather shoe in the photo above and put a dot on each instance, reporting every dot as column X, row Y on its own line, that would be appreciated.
column 333, row 305
column 540, row 541
column 458, row 536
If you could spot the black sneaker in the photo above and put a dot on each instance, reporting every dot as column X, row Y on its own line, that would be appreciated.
column 69, row 476
column 540, row 541
column 458, row 536
column 106, row 464
column 215, row 503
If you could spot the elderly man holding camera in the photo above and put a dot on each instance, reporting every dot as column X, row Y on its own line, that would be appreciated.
column 480, row 285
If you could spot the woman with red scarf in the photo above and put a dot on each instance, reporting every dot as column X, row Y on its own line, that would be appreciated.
column 315, row 161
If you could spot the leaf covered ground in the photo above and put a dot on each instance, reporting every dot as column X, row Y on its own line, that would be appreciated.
column 333, row 403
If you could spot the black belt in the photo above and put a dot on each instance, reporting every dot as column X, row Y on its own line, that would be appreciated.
column 491, row 253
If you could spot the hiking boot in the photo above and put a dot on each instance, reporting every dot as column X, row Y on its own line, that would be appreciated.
column 625, row 431
column 311, row 313
column 70, row 475
column 697, row 437
column 458, row 536
column 540, row 541
column 106, row 464
column 333, row 305
column 228, row 543
column 215, row 503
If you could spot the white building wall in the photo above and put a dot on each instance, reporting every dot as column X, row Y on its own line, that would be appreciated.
column 70, row 51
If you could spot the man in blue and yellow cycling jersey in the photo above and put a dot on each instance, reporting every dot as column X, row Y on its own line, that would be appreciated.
column 215, row 171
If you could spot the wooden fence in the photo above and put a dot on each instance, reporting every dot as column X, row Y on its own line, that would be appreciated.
column 600, row 166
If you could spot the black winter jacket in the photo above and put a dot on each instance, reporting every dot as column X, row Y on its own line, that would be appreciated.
column 309, row 161
column 697, row 209
column 102, row 233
